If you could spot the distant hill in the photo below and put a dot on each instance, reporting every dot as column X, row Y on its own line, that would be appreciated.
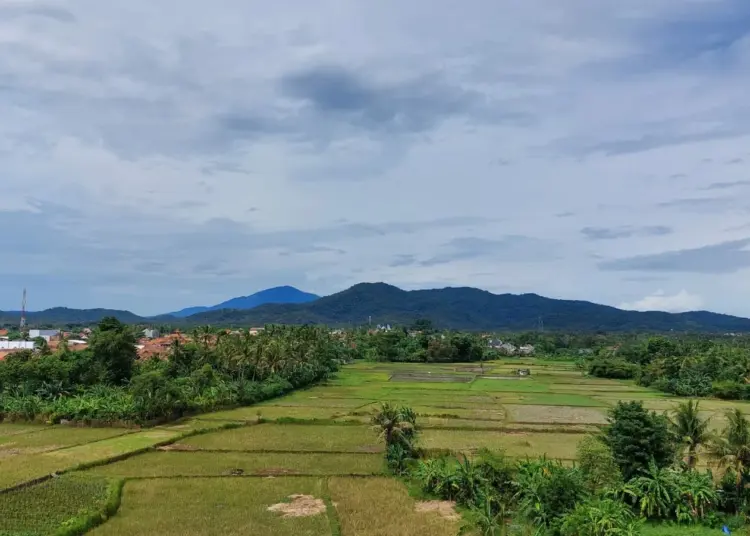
column 283, row 294
column 471, row 309
column 455, row 308
column 63, row 315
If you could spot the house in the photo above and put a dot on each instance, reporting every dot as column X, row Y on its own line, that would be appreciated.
column 508, row 348
column 3, row 332
column 254, row 331
column 151, row 333
column 46, row 334
column 495, row 343
column 523, row 372
column 526, row 349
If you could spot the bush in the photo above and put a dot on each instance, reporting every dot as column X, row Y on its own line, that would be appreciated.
column 618, row 369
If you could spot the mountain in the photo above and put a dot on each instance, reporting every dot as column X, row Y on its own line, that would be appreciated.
column 63, row 315
column 456, row 308
column 283, row 294
column 470, row 309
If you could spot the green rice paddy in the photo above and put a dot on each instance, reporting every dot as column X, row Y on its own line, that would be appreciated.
column 219, row 473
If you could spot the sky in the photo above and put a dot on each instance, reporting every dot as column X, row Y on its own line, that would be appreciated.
column 157, row 155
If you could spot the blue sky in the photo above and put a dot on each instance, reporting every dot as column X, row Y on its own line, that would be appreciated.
column 156, row 155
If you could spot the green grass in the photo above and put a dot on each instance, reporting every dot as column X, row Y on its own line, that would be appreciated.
column 291, row 437
column 10, row 429
column 24, row 467
column 382, row 506
column 251, row 413
column 43, row 508
column 511, row 385
column 226, row 506
column 170, row 464
column 556, row 414
column 549, row 399
column 55, row 437
column 513, row 443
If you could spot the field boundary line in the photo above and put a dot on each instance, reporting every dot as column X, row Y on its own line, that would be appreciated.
column 112, row 459
column 257, row 476
column 333, row 516
column 279, row 451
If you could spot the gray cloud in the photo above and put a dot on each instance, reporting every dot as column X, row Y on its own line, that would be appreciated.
column 511, row 248
column 612, row 233
column 723, row 258
column 701, row 204
column 403, row 260
column 726, row 185
column 412, row 106
column 18, row 9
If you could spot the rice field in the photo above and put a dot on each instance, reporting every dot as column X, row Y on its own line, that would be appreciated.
column 308, row 463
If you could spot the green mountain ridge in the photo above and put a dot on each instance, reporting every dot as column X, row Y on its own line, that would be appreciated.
column 463, row 308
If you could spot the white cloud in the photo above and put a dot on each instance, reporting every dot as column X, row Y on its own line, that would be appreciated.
column 245, row 144
column 660, row 301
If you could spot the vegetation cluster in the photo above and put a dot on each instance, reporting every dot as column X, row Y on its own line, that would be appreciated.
column 107, row 382
column 641, row 469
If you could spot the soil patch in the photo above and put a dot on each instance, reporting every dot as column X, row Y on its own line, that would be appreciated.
column 446, row 509
column 300, row 506
column 555, row 415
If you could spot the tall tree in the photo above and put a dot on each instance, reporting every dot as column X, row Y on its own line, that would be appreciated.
column 690, row 429
column 731, row 450
column 636, row 437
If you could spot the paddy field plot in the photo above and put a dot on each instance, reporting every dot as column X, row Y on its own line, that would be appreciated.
column 219, row 473
column 227, row 506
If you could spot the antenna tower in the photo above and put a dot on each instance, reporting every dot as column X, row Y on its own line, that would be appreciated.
column 23, row 312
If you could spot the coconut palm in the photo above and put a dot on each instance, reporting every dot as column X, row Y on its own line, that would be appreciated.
column 690, row 428
column 397, row 425
column 731, row 450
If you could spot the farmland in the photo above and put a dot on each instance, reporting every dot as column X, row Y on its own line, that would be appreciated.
column 220, row 472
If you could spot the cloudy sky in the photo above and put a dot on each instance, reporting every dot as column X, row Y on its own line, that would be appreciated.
column 155, row 155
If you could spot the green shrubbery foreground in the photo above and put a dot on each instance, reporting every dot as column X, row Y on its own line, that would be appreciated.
column 641, row 469
column 106, row 383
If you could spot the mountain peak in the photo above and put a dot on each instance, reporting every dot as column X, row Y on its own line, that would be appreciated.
column 279, row 295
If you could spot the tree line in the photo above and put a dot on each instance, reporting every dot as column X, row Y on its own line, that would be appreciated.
column 683, row 366
column 108, row 383
column 642, row 468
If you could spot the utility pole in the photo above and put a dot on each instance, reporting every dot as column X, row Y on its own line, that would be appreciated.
column 22, row 325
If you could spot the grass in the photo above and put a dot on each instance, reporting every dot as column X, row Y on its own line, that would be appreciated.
column 555, row 414
column 382, row 506
column 512, row 385
column 288, row 437
column 42, row 509
column 274, row 412
column 226, row 506
column 171, row 464
column 552, row 399
column 514, row 444
column 55, row 437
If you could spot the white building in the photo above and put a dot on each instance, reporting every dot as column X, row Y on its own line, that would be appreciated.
column 151, row 333
column 45, row 334
column 16, row 345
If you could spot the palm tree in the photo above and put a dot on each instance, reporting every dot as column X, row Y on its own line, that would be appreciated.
column 732, row 448
column 690, row 428
column 655, row 493
column 397, row 425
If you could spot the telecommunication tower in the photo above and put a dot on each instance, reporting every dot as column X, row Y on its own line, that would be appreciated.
column 23, row 311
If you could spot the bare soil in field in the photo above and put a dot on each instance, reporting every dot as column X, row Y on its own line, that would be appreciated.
column 299, row 506
column 446, row 509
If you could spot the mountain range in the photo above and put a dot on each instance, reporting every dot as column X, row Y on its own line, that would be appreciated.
column 455, row 308
column 283, row 294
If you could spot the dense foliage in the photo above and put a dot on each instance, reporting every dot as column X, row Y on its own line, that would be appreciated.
column 605, row 494
column 691, row 366
column 106, row 382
